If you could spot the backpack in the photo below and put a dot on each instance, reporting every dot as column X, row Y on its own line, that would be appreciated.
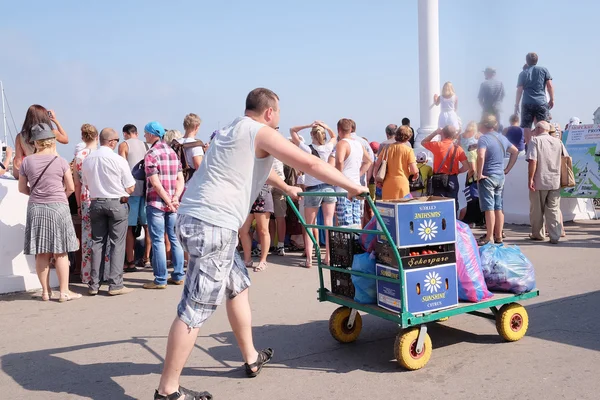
column 290, row 175
column 179, row 149
column 139, row 170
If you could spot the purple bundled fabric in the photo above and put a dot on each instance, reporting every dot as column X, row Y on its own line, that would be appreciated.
column 471, row 282
column 367, row 241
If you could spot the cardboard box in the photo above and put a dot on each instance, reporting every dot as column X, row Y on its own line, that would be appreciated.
column 427, row 289
column 445, row 254
column 388, row 293
column 424, row 221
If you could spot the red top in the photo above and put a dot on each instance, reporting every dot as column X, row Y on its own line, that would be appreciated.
column 439, row 150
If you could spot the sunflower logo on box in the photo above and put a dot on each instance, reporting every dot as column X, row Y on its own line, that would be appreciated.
column 433, row 282
column 427, row 230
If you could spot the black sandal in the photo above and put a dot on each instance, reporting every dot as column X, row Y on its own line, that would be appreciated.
column 482, row 242
column 294, row 248
column 264, row 356
column 130, row 267
column 188, row 395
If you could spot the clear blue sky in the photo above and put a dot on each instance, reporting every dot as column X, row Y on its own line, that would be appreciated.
column 110, row 63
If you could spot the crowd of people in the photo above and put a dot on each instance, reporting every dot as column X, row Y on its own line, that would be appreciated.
column 194, row 201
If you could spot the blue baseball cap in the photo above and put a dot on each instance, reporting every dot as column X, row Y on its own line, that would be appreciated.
column 155, row 128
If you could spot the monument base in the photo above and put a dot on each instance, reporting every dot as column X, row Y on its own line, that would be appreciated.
column 422, row 133
column 17, row 271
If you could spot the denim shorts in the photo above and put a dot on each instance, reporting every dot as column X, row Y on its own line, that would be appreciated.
column 215, row 269
column 315, row 202
column 490, row 193
column 137, row 211
column 529, row 112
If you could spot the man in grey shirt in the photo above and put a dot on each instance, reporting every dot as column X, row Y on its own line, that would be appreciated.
column 491, row 94
column 544, row 155
column 532, row 85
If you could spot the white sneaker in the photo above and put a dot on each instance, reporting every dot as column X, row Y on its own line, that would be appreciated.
column 281, row 251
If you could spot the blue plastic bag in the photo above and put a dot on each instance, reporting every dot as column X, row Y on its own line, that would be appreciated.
column 365, row 289
column 471, row 283
column 507, row 269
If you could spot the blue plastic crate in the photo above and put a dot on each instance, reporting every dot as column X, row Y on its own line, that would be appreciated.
column 419, row 222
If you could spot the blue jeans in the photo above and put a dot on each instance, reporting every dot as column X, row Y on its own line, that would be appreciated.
column 490, row 193
column 158, row 222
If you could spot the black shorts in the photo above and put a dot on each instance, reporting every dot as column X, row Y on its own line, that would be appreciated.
column 531, row 112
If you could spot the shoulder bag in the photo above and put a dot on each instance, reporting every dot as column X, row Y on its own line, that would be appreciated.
column 42, row 174
column 501, row 145
column 417, row 183
column 314, row 151
column 567, row 177
column 439, row 181
column 382, row 171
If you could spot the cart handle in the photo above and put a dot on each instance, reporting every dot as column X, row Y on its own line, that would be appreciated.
column 384, row 231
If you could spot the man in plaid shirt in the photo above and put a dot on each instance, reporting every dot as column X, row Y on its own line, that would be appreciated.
column 165, row 184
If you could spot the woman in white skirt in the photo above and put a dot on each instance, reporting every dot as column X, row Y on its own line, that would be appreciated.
column 448, row 103
column 46, row 178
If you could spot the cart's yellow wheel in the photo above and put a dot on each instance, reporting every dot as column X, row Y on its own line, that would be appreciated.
column 405, row 350
column 512, row 322
column 338, row 325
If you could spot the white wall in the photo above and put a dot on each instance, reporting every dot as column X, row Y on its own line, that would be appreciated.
column 516, row 198
column 17, row 271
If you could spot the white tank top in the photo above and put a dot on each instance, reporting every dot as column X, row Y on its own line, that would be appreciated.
column 229, row 179
column 447, row 104
column 353, row 162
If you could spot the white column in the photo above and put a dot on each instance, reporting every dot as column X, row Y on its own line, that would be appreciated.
column 4, row 117
column 429, row 67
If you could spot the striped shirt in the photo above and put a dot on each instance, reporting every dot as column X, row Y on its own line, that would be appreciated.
column 161, row 160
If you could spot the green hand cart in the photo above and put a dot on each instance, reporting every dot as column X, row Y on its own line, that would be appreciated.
column 413, row 346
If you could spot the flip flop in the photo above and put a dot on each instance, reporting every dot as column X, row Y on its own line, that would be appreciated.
column 531, row 237
column 261, row 266
column 64, row 297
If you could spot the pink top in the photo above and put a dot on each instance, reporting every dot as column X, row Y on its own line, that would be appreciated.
column 50, row 188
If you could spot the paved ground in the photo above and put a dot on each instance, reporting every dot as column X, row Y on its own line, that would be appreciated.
column 112, row 348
